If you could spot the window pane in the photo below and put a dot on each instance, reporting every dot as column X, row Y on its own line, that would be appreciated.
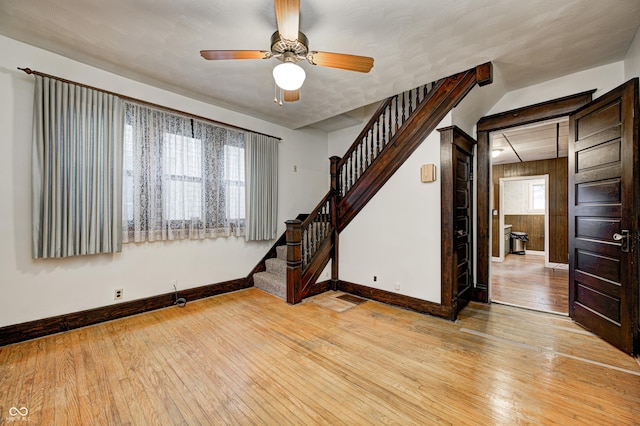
column 234, row 178
column 538, row 197
column 184, row 200
column 182, row 155
column 233, row 163
column 236, row 201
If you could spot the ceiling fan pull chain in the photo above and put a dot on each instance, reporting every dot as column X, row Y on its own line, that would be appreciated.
column 281, row 96
column 275, row 93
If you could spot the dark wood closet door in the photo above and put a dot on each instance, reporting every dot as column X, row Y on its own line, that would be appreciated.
column 463, row 164
column 456, row 162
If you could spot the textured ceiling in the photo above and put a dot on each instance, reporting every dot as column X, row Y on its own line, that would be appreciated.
column 412, row 41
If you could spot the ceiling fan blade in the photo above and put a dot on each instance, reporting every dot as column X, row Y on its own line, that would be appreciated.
column 235, row 54
column 341, row 61
column 288, row 18
column 291, row 95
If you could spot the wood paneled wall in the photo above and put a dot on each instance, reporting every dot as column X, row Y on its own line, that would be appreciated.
column 558, row 219
column 532, row 224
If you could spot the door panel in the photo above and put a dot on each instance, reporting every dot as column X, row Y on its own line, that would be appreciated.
column 456, row 163
column 602, row 206
column 463, row 231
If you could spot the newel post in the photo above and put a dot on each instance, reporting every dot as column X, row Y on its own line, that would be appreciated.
column 333, row 203
column 294, row 260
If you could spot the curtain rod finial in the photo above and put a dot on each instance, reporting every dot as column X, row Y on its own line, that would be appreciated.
column 26, row 70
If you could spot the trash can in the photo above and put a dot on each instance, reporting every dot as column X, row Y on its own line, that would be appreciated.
column 519, row 242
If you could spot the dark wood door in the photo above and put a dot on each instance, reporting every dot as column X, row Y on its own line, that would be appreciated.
column 456, row 160
column 463, row 225
column 603, row 216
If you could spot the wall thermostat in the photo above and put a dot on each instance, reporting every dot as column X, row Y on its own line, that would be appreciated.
column 428, row 173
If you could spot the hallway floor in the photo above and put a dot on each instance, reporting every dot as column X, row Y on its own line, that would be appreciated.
column 523, row 280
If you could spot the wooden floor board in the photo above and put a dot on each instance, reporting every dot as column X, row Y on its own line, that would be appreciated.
column 523, row 280
column 249, row 358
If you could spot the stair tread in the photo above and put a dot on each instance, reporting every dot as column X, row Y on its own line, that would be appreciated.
column 282, row 252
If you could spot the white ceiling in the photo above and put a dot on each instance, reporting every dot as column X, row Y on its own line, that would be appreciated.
column 412, row 41
column 539, row 141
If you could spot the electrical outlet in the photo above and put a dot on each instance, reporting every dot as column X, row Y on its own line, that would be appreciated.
column 118, row 293
column 295, row 168
column 397, row 285
column 375, row 278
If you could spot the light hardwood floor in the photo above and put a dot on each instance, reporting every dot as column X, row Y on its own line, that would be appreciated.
column 249, row 358
column 523, row 280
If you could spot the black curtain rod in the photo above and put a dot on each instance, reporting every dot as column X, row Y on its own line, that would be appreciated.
column 140, row 101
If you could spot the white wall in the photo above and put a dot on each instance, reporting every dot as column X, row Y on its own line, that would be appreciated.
column 632, row 59
column 602, row 78
column 396, row 237
column 34, row 289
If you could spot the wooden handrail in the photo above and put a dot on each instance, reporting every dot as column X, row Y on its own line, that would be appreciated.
column 421, row 122
column 388, row 120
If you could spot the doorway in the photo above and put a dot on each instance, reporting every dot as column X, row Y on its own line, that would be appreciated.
column 529, row 199
column 485, row 189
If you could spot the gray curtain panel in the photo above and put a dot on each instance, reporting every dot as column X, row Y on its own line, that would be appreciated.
column 262, row 187
column 76, row 170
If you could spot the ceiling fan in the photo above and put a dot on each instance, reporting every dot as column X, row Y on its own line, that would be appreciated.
column 290, row 46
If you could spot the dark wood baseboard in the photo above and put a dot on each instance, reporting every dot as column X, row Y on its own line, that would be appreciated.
column 320, row 287
column 43, row 327
column 400, row 300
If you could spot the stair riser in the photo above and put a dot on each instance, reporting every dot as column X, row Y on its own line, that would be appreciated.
column 276, row 266
column 270, row 283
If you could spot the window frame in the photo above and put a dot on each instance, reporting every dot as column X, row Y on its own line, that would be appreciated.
column 532, row 199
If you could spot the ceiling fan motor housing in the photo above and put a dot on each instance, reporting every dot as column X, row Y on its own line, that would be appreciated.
column 289, row 50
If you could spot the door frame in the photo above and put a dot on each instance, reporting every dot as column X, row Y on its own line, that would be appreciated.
column 542, row 111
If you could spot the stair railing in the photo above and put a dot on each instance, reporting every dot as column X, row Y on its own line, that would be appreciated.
column 376, row 135
column 305, row 239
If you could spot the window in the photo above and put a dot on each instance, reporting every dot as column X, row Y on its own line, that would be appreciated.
column 234, row 179
column 183, row 178
column 537, row 197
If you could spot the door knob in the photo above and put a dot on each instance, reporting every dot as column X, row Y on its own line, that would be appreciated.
column 623, row 237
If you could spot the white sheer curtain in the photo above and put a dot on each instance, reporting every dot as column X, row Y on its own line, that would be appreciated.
column 76, row 170
column 183, row 178
column 262, row 187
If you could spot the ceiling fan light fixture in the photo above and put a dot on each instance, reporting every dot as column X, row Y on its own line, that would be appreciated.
column 495, row 153
column 289, row 76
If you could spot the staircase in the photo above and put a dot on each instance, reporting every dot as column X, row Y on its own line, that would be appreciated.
column 394, row 132
column 274, row 279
